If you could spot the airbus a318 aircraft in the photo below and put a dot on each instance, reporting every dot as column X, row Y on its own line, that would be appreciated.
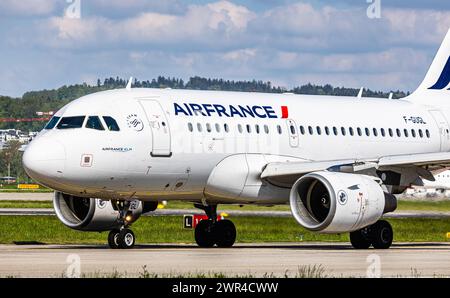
column 338, row 161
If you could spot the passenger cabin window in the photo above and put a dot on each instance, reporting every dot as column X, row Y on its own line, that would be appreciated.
column 217, row 127
column 359, row 131
column 280, row 131
column 343, row 131
column 71, row 122
column 335, row 131
column 208, row 127
column 383, row 132
column 111, row 123
column 266, row 128
column 226, row 127
column 350, row 130
column 190, row 127
column 327, row 131
column 52, row 123
column 319, row 131
column 93, row 122
column 302, row 130
column 199, row 127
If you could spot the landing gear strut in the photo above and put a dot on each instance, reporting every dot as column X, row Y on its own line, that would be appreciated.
column 379, row 235
column 123, row 237
column 212, row 232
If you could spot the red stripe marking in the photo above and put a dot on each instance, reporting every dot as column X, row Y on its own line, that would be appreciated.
column 284, row 112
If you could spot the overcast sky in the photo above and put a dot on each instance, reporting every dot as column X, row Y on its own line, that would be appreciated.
column 287, row 42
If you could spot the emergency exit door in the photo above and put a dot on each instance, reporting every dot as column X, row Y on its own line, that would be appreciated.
column 293, row 133
column 159, row 125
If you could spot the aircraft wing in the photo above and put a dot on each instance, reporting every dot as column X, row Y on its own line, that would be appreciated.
column 424, row 163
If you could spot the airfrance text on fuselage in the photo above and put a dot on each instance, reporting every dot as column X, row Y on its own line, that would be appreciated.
column 208, row 110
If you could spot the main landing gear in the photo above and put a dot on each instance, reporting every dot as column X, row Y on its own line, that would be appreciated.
column 122, row 237
column 212, row 232
column 379, row 235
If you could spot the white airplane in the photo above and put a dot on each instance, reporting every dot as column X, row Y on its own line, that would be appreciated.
column 441, row 182
column 112, row 155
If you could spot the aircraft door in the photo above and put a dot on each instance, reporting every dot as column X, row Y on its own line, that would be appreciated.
column 159, row 125
column 293, row 133
column 443, row 129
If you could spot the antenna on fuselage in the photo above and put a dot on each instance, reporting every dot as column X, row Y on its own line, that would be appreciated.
column 360, row 92
column 128, row 87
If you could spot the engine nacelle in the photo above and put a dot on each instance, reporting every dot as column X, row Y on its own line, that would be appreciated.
column 334, row 202
column 88, row 214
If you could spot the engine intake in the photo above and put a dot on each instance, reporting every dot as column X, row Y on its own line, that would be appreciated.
column 333, row 202
column 89, row 214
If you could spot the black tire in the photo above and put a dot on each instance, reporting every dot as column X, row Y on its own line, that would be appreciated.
column 126, row 239
column 360, row 239
column 204, row 234
column 381, row 234
column 113, row 239
column 225, row 233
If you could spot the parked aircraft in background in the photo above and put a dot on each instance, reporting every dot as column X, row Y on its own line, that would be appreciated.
column 112, row 155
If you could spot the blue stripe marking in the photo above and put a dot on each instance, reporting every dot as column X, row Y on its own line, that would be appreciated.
column 444, row 79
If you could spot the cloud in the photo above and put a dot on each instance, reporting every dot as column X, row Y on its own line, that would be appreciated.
column 200, row 24
column 27, row 7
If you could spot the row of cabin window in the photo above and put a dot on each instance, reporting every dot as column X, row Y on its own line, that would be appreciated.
column 334, row 130
column 241, row 128
column 375, row 132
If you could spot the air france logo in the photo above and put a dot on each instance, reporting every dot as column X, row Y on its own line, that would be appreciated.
column 342, row 197
column 444, row 79
column 243, row 111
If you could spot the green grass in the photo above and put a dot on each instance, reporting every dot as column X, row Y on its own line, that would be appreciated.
column 424, row 205
column 402, row 205
column 26, row 204
column 168, row 229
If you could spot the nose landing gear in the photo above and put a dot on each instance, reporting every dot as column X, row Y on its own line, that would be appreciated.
column 212, row 232
column 123, row 237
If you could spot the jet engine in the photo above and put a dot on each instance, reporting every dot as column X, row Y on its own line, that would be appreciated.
column 89, row 214
column 334, row 202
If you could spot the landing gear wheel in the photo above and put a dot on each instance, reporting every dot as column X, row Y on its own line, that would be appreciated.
column 225, row 233
column 360, row 239
column 113, row 239
column 204, row 234
column 126, row 238
column 381, row 234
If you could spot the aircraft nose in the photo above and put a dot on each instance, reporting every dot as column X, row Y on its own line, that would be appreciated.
column 44, row 159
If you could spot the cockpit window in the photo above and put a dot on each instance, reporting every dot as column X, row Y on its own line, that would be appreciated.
column 71, row 122
column 93, row 122
column 51, row 124
column 111, row 123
